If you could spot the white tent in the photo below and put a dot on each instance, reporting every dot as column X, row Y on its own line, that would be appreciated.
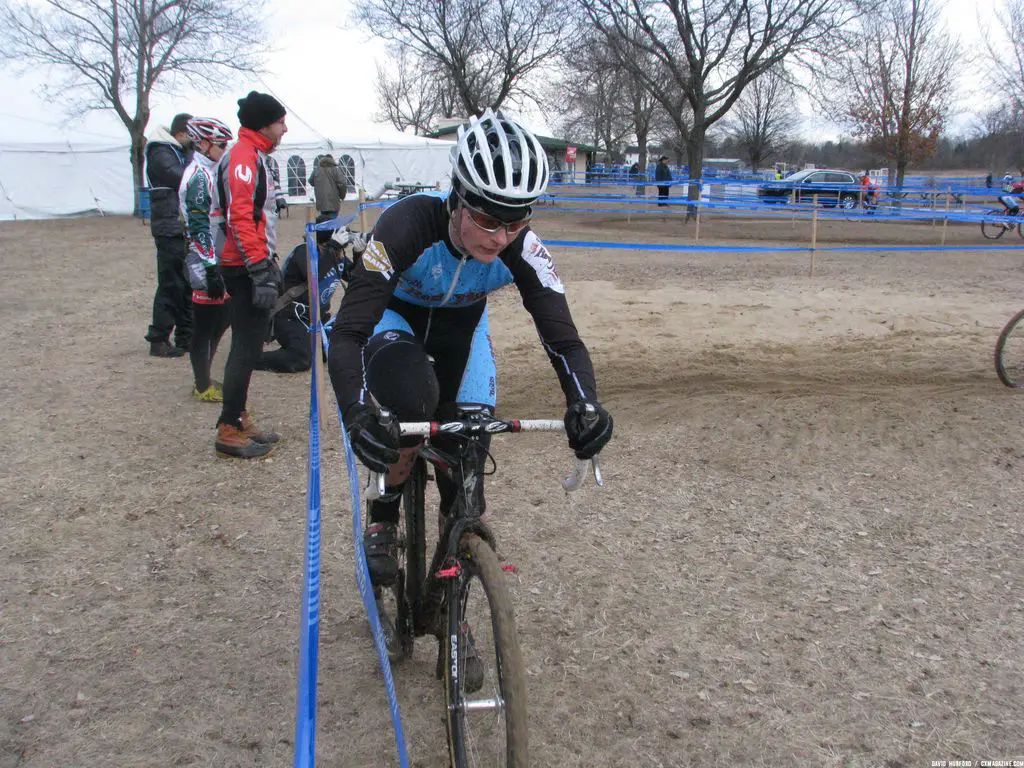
column 41, row 181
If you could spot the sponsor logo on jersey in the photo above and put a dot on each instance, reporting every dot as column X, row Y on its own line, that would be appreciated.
column 375, row 259
column 243, row 173
column 537, row 256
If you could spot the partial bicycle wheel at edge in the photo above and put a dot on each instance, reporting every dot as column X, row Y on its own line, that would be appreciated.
column 487, row 726
column 1010, row 353
column 993, row 230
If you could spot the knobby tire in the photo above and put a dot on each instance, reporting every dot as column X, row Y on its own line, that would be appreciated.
column 479, row 567
column 1010, row 371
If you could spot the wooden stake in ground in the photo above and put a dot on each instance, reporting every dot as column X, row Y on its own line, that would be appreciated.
column 696, row 231
column 814, row 230
column 945, row 220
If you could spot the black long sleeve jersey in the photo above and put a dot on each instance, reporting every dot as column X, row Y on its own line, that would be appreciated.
column 411, row 264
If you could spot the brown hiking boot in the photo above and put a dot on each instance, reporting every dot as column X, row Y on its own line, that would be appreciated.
column 233, row 443
column 250, row 430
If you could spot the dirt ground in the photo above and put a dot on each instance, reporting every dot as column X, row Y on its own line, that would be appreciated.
column 807, row 552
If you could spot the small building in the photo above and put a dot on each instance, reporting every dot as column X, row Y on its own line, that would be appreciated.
column 567, row 160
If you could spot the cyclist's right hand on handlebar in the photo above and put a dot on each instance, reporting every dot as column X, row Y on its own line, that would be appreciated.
column 374, row 440
column 588, row 426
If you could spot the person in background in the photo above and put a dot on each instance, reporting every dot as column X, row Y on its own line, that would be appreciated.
column 638, row 179
column 663, row 173
column 167, row 154
column 204, row 224
column 249, row 265
column 868, row 191
column 328, row 182
column 290, row 320
column 988, row 181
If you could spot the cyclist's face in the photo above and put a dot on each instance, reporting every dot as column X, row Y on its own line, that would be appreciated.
column 482, row 245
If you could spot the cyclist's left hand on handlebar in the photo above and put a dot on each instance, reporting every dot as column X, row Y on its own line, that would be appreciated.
column 588, row 426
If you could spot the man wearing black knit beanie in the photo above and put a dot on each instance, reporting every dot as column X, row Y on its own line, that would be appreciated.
column 249, row 263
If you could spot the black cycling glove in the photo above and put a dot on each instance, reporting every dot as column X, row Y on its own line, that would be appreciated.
column 266, row 283
column 214, row 283
column 588, row 426
column 374, row 441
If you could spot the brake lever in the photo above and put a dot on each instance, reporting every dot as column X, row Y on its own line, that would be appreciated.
column 579, row 474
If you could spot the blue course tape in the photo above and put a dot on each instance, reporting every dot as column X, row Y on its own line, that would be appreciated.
column 309, row 628
column 305, row 720
column 773, row 249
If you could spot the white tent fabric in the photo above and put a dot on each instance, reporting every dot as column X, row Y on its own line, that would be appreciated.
column 42, row 181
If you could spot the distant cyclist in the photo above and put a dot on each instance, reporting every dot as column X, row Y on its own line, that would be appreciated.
column 412, row 331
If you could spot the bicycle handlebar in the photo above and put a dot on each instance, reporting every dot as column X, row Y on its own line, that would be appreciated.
column 492, row 426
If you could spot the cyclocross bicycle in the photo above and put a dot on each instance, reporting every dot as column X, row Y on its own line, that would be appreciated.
column 998, row 222
column 462, row 598
column 1009, row 355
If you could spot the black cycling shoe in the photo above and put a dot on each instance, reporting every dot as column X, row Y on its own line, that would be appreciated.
column 473, row 674
column 380, row 544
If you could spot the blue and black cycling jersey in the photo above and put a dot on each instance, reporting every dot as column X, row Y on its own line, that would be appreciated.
column 412, row 270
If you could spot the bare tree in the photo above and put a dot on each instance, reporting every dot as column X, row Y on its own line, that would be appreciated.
column 486, row 48
column 114, row 54
column 588, row 99
column 764, row 118
column 894, row 85
column 1005, row 52
column 413, row 96
column 709, row 51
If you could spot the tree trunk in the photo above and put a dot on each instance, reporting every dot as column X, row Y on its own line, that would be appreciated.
column 137, row 159
column 695, row 159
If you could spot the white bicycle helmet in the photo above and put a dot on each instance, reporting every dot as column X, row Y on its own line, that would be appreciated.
column 499, row 161
column 208, row 128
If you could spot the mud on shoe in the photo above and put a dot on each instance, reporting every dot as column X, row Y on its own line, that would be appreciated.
column 254, row 433
column 380, row 543
column 232, row 443
column 164, row 349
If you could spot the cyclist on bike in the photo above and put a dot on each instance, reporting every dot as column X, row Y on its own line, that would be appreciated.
column 411, row 334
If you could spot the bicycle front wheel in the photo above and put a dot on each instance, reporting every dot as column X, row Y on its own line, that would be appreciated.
column 485, row 688
column 993, row 230
column 1010, row 353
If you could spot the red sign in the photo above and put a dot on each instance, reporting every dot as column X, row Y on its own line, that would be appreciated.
column 570, row 154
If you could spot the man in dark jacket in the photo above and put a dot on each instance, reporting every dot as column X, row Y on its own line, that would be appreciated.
column 328, row 182
column 167, row 155
column 663, row 173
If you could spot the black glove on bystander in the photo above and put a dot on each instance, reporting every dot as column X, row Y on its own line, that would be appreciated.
column 588, row 426
column 214, row 283
column 374, row 440
column 266, row 283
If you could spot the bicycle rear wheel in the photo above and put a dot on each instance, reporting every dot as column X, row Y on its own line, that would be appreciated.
column 1009, row 355
column 486, row 723
column 993, row 230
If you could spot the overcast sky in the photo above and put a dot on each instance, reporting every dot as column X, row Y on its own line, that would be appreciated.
column 323, row 73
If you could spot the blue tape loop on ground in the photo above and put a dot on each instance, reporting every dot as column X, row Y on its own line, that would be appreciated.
column 309, row 626
column 305, row 709
column 363, row 580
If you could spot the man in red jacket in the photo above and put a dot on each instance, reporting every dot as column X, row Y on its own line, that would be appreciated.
column 249, row 265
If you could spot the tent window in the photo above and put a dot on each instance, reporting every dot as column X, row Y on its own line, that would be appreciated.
column 296, row 176
column 348, row 167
